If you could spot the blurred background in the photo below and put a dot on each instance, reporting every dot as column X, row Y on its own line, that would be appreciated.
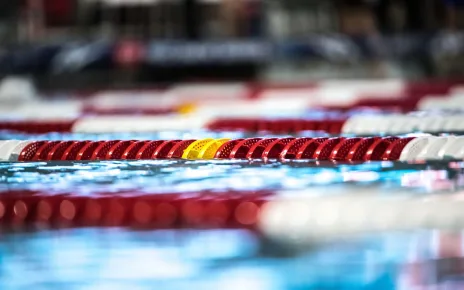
column 413, row 49
column 66, row 44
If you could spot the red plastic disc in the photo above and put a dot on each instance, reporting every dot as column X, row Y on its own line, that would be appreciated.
column 178, row 149
column 307, row 125
column 263, row 125
column 322, row 125
column 334, row 126
column 393, row 152
column 39, row 151
column 228, row 209
column 240, row 150
column 42, row 152
column 217, row 213
column 30, row 150
column 131, row 151
column 325, row 149
column 116, row 212
column 115, row 152
column 69, row 211
column 341, row 151
column 292, row 148
column 92, row 212
column 309, row 148
column 57, row 151
column 226, row 149
column 102, row 150
column 277, row 126
column 358, row 151
column 282, row 126
column 71, row 153
column 87, row 150
column 146, row 151
column 376, row 150
column 163, row 150
column 47, row 209
column 37, row 127
column 391, row 139
column 274, row 149
column 142, row 213
column 257, row 150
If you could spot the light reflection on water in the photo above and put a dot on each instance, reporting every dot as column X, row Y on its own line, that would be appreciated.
column 213, row 259
column 218, row 259
column 176, row 175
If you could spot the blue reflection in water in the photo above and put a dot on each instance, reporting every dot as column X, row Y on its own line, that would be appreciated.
column 212, row 259
column 178, row 175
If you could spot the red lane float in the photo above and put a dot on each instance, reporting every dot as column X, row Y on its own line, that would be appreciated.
column 332, row 126
column 38, row 127
column 234, row 209
column 334, row 149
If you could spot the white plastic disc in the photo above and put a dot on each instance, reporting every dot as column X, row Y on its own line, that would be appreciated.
column 454, row 124
column 14, row 153
column 432, row 103
column 371, row 125
column 432, row 150
column 414, row 148
column 302, row 223
column 7, row 148
column 125, row 124
column 365, row 124
column 4, row 143
column 431, row 124
column 350, row 125
column 383, row 127
column 404, row 124
column 454, row 150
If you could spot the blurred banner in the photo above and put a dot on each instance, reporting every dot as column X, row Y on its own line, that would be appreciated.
column 80, row 55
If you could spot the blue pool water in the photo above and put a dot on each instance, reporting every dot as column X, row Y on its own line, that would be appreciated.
column 119, row 258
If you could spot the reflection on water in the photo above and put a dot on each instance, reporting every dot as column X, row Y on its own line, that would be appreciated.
column 231, row 259
column 99, row 258
column 181, row 175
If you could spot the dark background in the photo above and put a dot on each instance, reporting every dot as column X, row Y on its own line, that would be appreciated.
column 78, row 44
